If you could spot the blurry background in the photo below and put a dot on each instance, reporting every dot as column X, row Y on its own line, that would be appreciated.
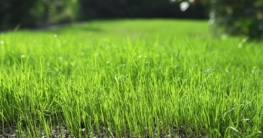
column 30, row 13
column 243, row 17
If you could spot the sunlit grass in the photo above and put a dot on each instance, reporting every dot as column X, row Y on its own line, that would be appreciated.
column 126, row 78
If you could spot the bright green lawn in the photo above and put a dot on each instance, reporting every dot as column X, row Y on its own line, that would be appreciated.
column 130, row 78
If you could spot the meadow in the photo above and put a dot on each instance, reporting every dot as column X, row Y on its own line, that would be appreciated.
column 130, row 78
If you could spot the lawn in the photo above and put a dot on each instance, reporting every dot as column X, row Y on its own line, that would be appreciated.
column 130, row 78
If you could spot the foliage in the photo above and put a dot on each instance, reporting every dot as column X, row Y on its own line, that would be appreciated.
column 244, row 17
column 36, row 12
column 57, row 11
column 13, row 11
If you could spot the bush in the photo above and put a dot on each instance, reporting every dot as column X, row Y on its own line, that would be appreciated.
column 13, row 12
column 30, row 13
column 50, row 11
column 244, row 17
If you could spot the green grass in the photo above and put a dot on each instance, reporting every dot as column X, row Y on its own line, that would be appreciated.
column 126, row 78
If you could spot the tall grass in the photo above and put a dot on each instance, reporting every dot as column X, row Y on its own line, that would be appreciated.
column 129, row 78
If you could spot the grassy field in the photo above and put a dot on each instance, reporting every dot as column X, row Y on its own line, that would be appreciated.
column 130, row 78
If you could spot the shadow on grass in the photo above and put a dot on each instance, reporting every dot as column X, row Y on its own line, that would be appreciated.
column 57, row 28
column 73, row 27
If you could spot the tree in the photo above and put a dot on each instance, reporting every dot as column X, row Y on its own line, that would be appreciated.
column 237, row 17
column 13, row 12
column 31, row 13
column 233, row 17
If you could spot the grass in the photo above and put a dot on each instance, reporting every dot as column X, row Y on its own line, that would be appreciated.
column 125, row 78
